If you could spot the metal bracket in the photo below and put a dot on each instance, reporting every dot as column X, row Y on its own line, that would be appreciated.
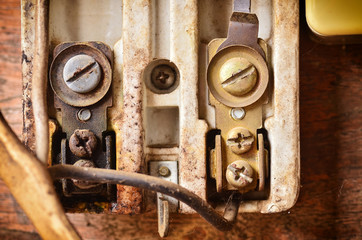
column 83, row 116
column 237, row 78
column 167, row 170
column 243, row 28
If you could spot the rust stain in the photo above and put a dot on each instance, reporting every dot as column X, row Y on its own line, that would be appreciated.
column 28, row 132
column 136, row 55
column 129, row 200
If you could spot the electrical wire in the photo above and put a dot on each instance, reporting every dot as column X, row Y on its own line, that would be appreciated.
column 150, row 183
column 39, row 80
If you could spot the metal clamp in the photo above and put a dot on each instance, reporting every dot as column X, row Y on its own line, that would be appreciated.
column 167, row 170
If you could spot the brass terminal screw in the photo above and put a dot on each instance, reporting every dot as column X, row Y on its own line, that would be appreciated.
column 238, row 76
column 164, row 171
column 163, row 77
column 83, row 143
column 239, row 174
column 240, row 140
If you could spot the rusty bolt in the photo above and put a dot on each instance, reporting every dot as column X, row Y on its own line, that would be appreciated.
column 82, row 73
column 163, row 77
column 83, row 143
column 239, row 174
column 164, row 171
column 238, row 76
column 81, row 183
column 240, row 140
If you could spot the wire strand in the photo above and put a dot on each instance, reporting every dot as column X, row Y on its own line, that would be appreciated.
column 39, row 80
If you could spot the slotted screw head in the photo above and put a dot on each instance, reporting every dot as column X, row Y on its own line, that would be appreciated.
column 238, row 76
column 82, row 73
column 163, row 77
column 83, row 143
column 239, row 174
column 240, row 140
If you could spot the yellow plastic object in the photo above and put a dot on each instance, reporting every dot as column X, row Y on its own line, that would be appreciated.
column 334, row 17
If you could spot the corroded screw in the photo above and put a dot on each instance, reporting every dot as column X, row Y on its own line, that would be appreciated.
column 239, row 174
column 238, row 76
column 83, row 143
column 82, row 73
column 164, row 171
column 240, row 140
column 163, row 77
column 81, row 183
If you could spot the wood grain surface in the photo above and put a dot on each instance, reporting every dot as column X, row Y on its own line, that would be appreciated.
column 330, row 201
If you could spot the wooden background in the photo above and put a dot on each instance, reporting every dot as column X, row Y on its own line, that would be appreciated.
column 330, row 201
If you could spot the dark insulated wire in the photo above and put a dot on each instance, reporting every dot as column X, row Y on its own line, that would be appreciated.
column 150, row 183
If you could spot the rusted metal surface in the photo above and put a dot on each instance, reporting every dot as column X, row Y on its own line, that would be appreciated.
column 27, row 46
column 62, row 55
column 83, row 143
column 83, row 130
column 132, row 54
column 73, row 189
column 98, row 125
column 136, row 55
column 84, row 184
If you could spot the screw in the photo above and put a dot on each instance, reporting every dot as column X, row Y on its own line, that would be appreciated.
column 163, row 77
column 82, row 73
column 238, row 76
column 81, row 183
column 240, row 140
column 83, row 143
column 164, row 171
column 84, row 114
column 237, row 113
column 239, row 174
